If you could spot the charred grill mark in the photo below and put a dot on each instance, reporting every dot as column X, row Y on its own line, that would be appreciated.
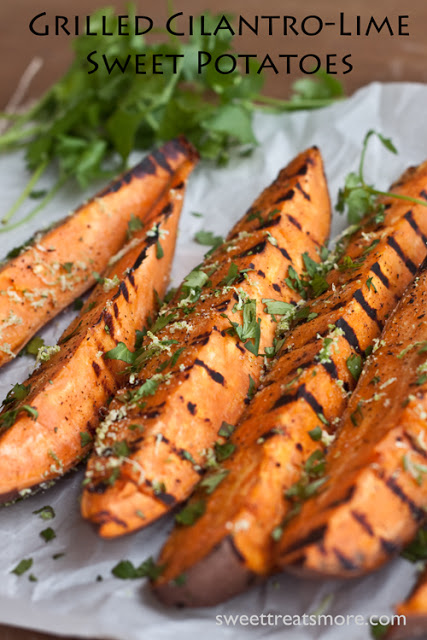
column 131, row 279
column 370, row 311
column 349, row 334
column 398, row 249
column 285, row 254
column 261, row 273
column 201, row 339
column 192, row 408
column 423, row 194
column 287, row 196
column 376, row 268
column 301, row 393
column 304, row 193
column 363, row 521
column 109, row 322
column 268, row 435
column 410, row 218
column 415, row 445
column 330, row 367
column 340, row 501
column 345, row 562
column 149, row 415
column 96, row 368
column 146, row 167
column 215, row 375
column 295, row 222
column 277, row 288
column 389, row 548
column 161, row 160
column 167, row 498
column 314, row 537
column 239, row 347
column 222, row 306
column 417, row 513
column 116, row 310
column 167, row 210
column 255, row 250
column 286, row 398
column 140, row 259
column 124, row 290
column 302, row 171
column 270, row 223
column 310, row 399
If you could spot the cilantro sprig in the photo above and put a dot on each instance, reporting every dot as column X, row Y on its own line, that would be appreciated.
column 358, row 198
column 87, row 124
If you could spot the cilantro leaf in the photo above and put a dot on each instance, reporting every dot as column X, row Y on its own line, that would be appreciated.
column 22, row 566
column 191, row 513
column 125, row 570
column 208, row 238
column 48, row 534
column 45, row 513
column 121, row 352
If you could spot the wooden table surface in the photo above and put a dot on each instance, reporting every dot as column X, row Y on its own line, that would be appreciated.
column 381, row 58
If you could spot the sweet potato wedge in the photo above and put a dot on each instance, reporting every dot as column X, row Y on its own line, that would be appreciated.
column 55, row 267
column 375, row 497
column 47, row 424
column 305, row 391
column 414, row 609
column 195, row 372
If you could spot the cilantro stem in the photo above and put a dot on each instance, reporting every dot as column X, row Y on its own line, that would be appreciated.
column 48, row 197
column 372, row 190
column 26, row 192
column 398, row 196
column 294, row 105
column 14, row 135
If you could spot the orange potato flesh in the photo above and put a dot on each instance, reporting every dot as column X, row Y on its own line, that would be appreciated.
column 70, row 388
column 272, row 438
column 376, row 493
column 35, row 286
column 209, row 382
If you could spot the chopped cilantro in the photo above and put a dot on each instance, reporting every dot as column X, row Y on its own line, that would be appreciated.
column 191, row 513
column 45, row 513
column 85, row 439
column 226, row 430
column 354, row 365
column 48, row 534
column 212, row 480
column 224, row 451
column 121, row 352
column 125, row 570
column 208, row 238
column 22, row 566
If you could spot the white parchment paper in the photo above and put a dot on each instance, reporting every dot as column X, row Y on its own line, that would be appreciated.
column 67, row 598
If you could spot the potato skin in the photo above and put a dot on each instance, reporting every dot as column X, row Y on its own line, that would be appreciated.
column 39, row 282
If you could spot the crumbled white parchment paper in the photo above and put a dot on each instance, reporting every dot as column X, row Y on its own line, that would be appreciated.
column 67, row 598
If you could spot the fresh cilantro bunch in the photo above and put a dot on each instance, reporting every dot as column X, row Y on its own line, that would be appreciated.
column 86, row 125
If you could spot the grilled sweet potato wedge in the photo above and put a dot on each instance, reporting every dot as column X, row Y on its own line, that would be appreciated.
column 47, row 424
column 195, row 372
column 295, row 412
column 414, row 608
column 375, row 497
column 57, row 266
